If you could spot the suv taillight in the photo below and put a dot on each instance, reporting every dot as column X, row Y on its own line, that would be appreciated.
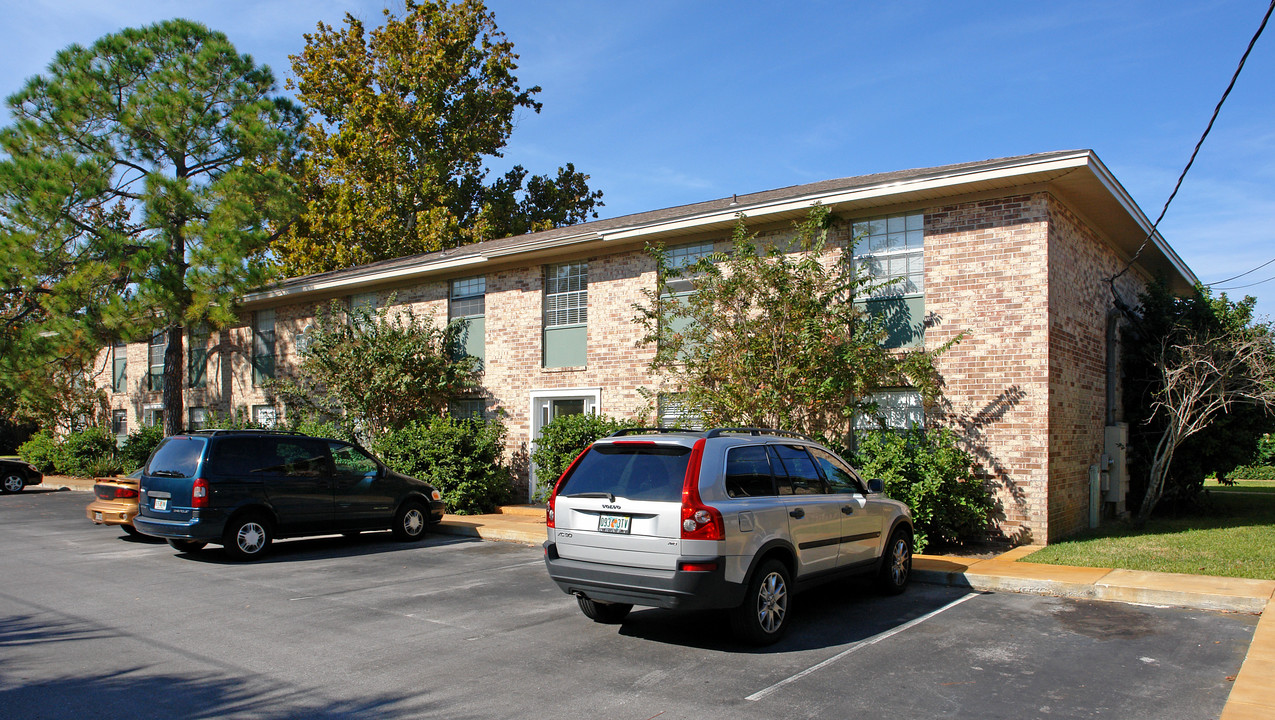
column 199, row 493
column 699, row 521
column 549, row 519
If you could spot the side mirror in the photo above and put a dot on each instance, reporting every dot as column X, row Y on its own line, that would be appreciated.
column 876, row 485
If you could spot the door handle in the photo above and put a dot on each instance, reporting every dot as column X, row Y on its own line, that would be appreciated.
column 847, row 509
column 798, row 513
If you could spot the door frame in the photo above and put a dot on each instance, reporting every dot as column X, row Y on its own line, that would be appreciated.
column 592, row 397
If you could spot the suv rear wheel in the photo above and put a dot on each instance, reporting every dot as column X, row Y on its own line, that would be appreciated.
column 606, row 613
column 763, row 617
column 247, row 537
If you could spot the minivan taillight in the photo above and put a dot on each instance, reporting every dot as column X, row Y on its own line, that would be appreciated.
column 199, row 493
column 549, row 519
column 699, row 521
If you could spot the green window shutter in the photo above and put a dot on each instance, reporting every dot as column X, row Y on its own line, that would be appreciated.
column 902, row 317
column 565, row 346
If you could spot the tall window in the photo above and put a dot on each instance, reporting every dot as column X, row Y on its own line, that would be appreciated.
column 899, row 409
column 197, row 356
column 155, row 375
column 893, row 248
column 566, row 314
column 265, row 415
column 681, row 287
column 262, row 346
column 469, row 301
column 196, row 418
column 119, row 423
column 119, row 367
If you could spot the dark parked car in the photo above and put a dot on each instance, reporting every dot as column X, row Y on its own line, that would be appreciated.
column 16, row 474
column 244, row 488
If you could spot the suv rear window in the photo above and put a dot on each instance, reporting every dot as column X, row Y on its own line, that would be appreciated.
column 631, row 471
column 178, row 456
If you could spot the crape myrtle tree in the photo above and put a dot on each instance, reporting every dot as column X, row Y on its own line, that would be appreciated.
column 1199, row 392
column 378, row 370
column 773, row 336
column 141, row 182
column 402, row 120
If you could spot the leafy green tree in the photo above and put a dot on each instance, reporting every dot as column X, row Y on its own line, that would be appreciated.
column 402, row 119
column 1199, row 392
column 141, row 182
column 378, row 369
column 773, row 337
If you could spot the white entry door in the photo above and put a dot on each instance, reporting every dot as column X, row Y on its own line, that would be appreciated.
column 549, row 404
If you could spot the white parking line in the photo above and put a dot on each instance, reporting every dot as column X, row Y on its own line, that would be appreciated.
column 861, row 644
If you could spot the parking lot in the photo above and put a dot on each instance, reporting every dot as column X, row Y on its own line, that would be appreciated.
column 93, row 623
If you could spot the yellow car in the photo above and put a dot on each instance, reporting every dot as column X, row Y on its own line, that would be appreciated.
column 116, row 502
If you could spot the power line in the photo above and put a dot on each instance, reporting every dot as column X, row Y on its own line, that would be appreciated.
column 1196, row 151
column 1241, row 287
column 1236, row 277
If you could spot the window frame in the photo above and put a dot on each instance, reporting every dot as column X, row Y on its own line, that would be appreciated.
column 119, row 367
column 565, row 315
column 264, row 346
column 155, row 380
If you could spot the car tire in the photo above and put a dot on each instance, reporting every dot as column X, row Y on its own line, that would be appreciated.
column 187, row 546
column 13, row 483
column 129, row 530
column 248, row 537
column 896, row 564
column 763, row 616
column 605, row 613
column 410, row 521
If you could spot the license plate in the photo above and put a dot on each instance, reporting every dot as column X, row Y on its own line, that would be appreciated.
column 614, row 524
column 97, row 516
column 161, row 503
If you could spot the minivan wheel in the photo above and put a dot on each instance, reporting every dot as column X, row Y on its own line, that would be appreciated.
column 763, row 617
column 409, row 522
column 247, row 537
column 605, row 613
column 13, row 482
column 186, row 546
column 896, row 566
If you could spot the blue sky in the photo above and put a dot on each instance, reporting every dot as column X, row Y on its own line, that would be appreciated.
column 665, row 103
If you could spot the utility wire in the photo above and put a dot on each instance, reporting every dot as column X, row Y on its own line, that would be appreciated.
column 1237, row 277
column 1216, row 110
column 1241, row 287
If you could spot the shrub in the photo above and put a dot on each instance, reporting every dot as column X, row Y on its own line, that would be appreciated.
column 461, row 457
column 1252, row 472
column 321, row 428
column 926, row 470
column 81, row 453
column 41, row 451
column 564, row 438
column 138, row 446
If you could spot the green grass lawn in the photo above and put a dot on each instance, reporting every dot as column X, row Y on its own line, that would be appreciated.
column 1233, row 537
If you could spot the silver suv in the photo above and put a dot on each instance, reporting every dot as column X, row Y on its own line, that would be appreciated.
column 732, row 518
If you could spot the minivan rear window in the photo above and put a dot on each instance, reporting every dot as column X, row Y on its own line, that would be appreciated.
column 177, row 456
column 631, row 471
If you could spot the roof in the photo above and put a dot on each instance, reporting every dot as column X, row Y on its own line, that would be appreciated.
column 1077, row 176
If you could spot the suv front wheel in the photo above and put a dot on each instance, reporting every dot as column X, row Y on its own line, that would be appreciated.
column 763, row 617
column 896, row 566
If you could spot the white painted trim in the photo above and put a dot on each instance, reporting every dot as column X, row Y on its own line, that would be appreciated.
column 533, row 414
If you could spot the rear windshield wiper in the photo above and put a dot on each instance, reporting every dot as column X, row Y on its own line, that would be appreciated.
column 607, row 495
column 167, row 473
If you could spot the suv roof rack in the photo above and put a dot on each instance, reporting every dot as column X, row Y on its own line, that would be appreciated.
column 633, row 431
column 755, row 431
column 245, row 431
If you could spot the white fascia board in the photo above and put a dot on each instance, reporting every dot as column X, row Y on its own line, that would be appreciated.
column 533, row 245
column 761, row 210
column 363, row 280
column 1117, row 191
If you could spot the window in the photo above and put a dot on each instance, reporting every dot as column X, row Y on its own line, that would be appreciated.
column 896, row 410
column 155, row 375
column 839, row 475
column 262, row 346
column 351, row 463
column 153, row 415
column 893, row 248
column 748, row 472
column 467, row 408
column 265, row 415
column 119, row 422
column 803, row 477
column 119, row 367
column 469, row 301
column 566, row 315
column 366, row 302
column 681, row 286
column 674, row 413
column 197, row 356
column 196, row 418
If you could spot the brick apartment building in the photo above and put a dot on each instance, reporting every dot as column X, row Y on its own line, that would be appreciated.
column 1015, row 252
